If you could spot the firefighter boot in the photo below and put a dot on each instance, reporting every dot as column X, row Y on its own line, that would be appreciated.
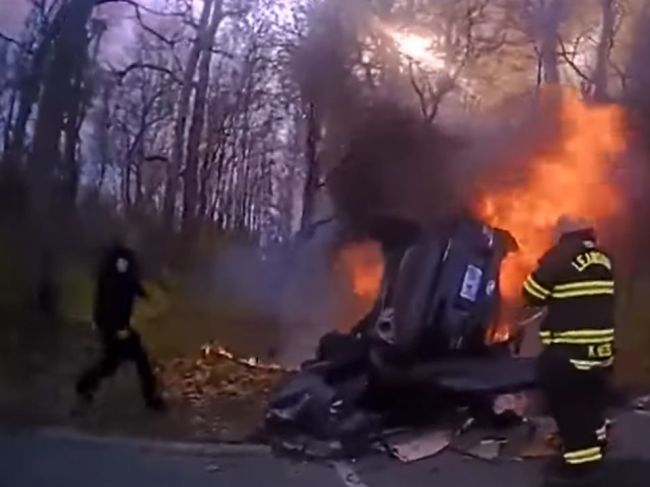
column 559, row 474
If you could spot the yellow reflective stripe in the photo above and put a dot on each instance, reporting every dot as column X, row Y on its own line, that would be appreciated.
column 583, row 284
column 533, row 292
column 596, row 457
column 590, row 364
column 587, row 452
column 585, row 292
column 578, row 341
column 537, row 286
column 585, row 333
column 578, row 337
column 583, row 288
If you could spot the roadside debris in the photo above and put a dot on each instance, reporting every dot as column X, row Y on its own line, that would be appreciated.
column 217, row 372
column 488, row 449
column 221, row 389
column 420, row 445
column 642, row 404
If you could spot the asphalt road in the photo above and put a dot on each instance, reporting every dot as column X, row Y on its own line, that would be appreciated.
column 53, row 459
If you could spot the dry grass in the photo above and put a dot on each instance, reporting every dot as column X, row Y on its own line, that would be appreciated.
column 40, row 362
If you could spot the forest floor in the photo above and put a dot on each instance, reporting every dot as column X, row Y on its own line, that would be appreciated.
column 210, row 397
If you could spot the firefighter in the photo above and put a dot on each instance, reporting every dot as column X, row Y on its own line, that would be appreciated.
column 574, row 282
column 118, row 287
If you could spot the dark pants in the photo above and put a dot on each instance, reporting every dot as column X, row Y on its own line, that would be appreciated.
column 577, row 401
column 116, row 351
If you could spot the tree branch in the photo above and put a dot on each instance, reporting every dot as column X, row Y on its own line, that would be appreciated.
column 621, row 73
column 420, row 92
column 13, row 41
column 236, row 13
column 156, row 158
column 122, row 73
column 569, row 60
column 138, row 14
column 144, row 8
column 221, row 52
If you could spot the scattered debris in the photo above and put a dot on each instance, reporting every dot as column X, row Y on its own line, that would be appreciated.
column 217, row 372
column 515, row 403
column 642, row 404
column 216, row 380
column 348, row 474
column 425, row 444
column 253, row 362
column 542, row 440
column 488, row 449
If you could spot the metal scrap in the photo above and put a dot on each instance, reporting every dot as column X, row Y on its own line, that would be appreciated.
column 425, row 444
column 487, row 449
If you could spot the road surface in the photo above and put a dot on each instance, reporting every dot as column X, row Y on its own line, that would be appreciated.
column 58, row 459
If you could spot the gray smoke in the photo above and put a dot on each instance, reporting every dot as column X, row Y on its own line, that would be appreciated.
column 291, row 292
column 12, row 16
column 629, row 235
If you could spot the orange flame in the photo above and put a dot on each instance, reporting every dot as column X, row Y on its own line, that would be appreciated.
column 363, row 268
column 571, row 180
column 365, row 265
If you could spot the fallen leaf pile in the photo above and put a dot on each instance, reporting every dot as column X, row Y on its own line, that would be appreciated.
column 217, row 385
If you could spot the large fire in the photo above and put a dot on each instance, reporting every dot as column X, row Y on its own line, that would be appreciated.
column 573, row 179
column 363, row 267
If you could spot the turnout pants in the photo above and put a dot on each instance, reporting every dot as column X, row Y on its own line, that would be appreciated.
column 577, row 401
column 116, row 351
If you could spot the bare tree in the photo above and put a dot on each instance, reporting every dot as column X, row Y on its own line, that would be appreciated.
column 313, row 169
column 182, row 114
column 191, row 190
column 605, row 45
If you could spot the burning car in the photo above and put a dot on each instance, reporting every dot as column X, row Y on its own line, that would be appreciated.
column 430, row 344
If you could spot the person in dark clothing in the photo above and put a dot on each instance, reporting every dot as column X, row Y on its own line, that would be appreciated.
column 118, row 287
column 574, row 281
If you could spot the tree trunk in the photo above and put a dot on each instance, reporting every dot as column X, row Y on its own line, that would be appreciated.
column 191, row 190
column 552, row 11
column 231, row 175
column 30, row 91
column 73, row 121
column 313, row 170
column 209, row 157
column 69, row 50
column 140, row 196
column 8, row 128
column 182, row 112
column 604, row 49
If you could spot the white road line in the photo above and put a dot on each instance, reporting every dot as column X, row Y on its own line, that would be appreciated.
column 348, row 475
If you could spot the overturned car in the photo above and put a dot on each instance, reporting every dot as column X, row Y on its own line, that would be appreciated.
column 421, row 354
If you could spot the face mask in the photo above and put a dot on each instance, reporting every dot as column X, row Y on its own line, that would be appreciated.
column 122, row 265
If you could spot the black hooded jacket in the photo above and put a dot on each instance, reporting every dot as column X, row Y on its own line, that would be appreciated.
column 116, row 290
